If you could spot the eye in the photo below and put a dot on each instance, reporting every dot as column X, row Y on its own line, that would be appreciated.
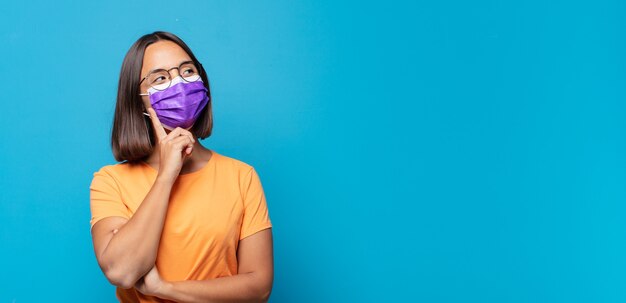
column 188, row 71
column 158, row 79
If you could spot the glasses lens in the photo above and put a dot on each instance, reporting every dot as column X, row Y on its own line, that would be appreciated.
column 159, row 80
column 189, row 72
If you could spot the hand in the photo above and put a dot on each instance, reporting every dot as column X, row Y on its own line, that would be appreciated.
column 174, row 148
column 151, row 284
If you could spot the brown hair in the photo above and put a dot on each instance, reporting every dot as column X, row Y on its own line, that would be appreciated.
column 132, row 137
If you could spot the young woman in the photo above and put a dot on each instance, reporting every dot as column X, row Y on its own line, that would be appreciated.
column 176, row 221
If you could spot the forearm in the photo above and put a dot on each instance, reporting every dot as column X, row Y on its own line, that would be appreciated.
column 248, row 287
column 132, row 251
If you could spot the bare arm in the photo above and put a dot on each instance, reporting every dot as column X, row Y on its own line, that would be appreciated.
column 127, row 249
column 253, row 283
column 129, row 253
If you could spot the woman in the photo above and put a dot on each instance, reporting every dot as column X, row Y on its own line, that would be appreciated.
column 176, row 221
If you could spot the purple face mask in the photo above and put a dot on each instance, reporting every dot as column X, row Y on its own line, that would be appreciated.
column 180, row 104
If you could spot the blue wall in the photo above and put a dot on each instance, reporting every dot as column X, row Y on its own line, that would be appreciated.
column 442, row 151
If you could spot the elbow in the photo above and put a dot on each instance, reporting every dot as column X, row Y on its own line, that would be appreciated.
column 265, row 296
column 120, row 278
column 122, row 274
column 258, row 289
column 263, row 293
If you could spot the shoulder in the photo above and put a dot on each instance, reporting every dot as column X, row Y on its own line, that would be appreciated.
column 231, row 163
column 117, row 171
column 240, row 172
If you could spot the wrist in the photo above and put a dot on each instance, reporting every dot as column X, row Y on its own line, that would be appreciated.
column 166, row 290
column 164, row 180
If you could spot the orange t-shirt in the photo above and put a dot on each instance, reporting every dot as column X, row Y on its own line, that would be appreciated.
column 209, row 211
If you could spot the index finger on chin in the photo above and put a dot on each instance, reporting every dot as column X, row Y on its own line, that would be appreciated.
column 156, row 123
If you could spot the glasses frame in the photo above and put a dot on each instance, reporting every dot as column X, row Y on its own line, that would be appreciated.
column 168, row 71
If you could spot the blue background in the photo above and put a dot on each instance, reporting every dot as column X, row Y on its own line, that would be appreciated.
column 425, row 151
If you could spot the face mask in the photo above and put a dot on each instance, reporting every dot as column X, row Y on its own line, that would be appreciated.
column 180, row 104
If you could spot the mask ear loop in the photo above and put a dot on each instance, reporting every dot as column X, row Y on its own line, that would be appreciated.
column 146, row 114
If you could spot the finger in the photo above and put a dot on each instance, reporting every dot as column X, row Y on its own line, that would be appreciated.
column 188, row 133
column 177, row 132
column 174, row 133
column 181, row 143
column 187, row 152
column 156, row 124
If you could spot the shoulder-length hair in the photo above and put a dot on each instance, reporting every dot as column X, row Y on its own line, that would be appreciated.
column 132, row 135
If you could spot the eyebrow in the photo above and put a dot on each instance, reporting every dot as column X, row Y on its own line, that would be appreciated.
column 156, row 69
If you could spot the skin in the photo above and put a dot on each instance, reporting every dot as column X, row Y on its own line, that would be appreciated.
column 126, row 249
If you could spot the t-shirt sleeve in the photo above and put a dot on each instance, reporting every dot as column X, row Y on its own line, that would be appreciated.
column 106, row 200
column 255, row 213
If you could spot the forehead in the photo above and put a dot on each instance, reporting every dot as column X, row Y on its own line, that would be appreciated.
column 163, row 54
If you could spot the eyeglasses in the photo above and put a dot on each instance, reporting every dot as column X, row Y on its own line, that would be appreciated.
column 161, row 79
